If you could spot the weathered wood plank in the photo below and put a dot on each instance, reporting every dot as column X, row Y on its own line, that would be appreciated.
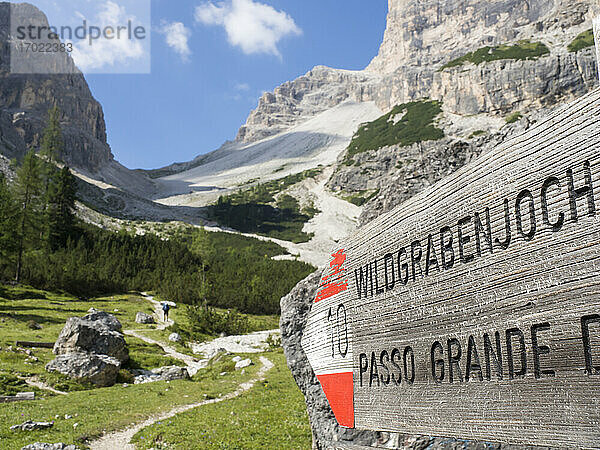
column 500, row 258
column 20, row 397
column 26, row 344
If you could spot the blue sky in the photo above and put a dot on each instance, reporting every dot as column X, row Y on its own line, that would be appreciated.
column 212, row 60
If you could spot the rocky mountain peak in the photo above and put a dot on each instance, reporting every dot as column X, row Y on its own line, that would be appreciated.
column 25, row 100
column 426, row 32
column 423, row 35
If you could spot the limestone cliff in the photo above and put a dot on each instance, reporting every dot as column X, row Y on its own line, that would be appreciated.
column 24, row 104
column 423, row 36
column 26, row 99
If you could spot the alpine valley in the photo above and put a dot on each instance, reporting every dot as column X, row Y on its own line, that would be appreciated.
column 333, row 149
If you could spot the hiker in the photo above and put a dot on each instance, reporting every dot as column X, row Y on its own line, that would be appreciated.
column 165, row 309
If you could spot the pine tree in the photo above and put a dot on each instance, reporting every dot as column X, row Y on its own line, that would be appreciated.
column 8, row 222
column 28, row 195
column 51, row 150
column 53, row 143
column 60, row 218
column 202, row 246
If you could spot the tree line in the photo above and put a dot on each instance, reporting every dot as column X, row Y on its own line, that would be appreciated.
column 43, row 244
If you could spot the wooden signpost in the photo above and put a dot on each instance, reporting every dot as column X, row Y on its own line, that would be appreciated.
column 473, row 310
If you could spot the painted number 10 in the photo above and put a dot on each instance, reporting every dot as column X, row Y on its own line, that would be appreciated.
column 339, row 331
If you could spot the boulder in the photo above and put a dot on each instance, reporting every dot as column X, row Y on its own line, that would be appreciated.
column 168, row 373
column 171, row 373
column 294, row 313
column 243, row 364
column 175, row 337
column 106, row 319
column 31, row 426
column 101, row 370
column 44, row 446
column 95, row 333
column 144, row 318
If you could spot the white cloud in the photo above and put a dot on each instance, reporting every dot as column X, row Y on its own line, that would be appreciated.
column 103, row 53
column 242, row 87
column 177, row 37
column 252, row 26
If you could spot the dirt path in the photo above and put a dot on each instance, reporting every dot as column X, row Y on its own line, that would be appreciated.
column 193, row 364
column 158, row 312
column 36, row 383
column 120, row 440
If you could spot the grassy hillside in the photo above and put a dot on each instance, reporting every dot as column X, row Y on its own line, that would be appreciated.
column 522, row 50
column 271, row 415
column 108, row 409
column 404, row 125
column 23, row 310
column 583, row 40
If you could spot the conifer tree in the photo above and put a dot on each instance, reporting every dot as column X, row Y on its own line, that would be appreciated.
column 53, row 143
column 202, row 247
column 28, row 192
column 60, row 218
column 51, row 150
column 8, row 221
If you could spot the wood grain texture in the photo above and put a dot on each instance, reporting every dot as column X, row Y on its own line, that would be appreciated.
column 596, row 23
column 540, row 293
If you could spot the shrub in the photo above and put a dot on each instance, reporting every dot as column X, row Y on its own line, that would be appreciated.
column 583, row 40
column 416, row 125
column 523, row 50
column 477, row 133
column 514, row 117
column 125, row 376
column 361, row 197
column 33, row 325
column 204, row 319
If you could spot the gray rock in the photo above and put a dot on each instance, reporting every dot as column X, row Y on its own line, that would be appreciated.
column 106, row 319
column 175, row 337
column 44, row 446
column 171, row 373
column 95, row 333
column 236, row 359
column 168, row 373
column 144, row 318
column 294, row 312
column 101, row 370
column 243, row 364
column 402, row 172
column 26, row 99
column 31, row 426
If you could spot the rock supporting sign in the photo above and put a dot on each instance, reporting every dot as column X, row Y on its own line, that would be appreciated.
column 473, row 310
